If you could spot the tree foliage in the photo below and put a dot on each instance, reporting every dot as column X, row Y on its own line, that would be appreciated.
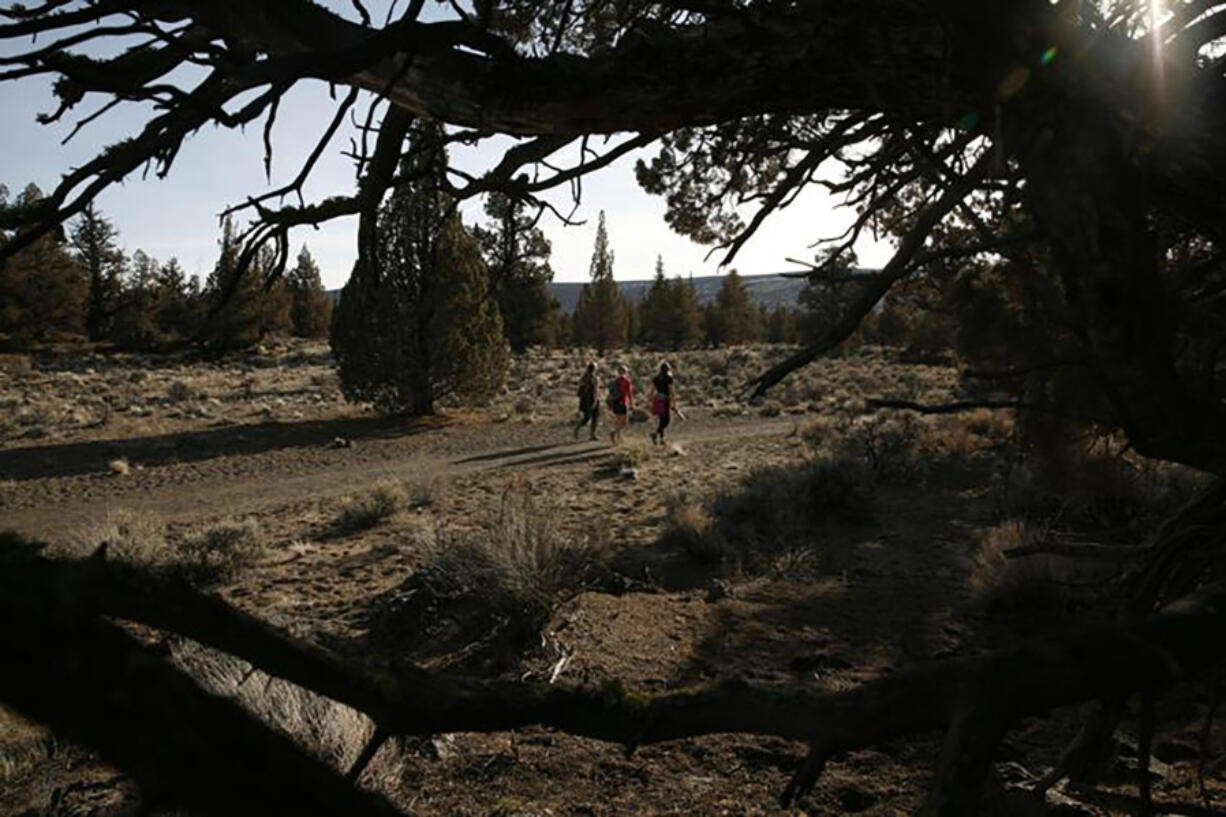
column 670, row 314
column 310, row 305
column 517, row 254
column 94, row 241
column 601, row 315
column 733, row 318
column 420, row 325
column 243, row 306
column 42, row 290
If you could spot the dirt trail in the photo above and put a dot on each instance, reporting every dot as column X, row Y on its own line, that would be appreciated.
column 243, row 483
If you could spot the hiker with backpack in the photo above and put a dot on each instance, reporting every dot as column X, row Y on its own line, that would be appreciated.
column 589, row 405
column 663, row 401
column 621, row 402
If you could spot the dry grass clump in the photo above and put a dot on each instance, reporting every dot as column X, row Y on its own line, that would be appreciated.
column 216, row 552
column 1038, row 583
column 23, row 745
column 632, row 452
column 428, row 487
column 482, row 596
column 520, row 559
column 375, row 506
column 690, row 526
column 120, row 467
column 129, row 536
column 203, row 556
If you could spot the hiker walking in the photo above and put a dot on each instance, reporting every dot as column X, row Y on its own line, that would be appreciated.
column 621, row 402
column 663, row 401
column 589, row 405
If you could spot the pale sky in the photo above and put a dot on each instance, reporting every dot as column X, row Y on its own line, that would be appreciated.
column 177, row 216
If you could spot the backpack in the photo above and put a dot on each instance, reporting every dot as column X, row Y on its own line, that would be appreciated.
column 587, row 389
column 615, row 391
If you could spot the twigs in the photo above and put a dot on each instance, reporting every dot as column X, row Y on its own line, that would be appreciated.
column 899, row 266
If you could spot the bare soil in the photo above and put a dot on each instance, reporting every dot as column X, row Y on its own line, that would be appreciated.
column 855, row 602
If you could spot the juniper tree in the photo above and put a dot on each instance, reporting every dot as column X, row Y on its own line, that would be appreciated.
column 517, row 254
column 416, row 323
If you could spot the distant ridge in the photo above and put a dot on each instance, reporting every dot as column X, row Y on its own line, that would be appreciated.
column 770, row 289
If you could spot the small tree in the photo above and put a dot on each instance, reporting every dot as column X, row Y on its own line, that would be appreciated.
column 179, row 303
column 135, row 324
column 600, row 314
column 671, row 315
column 42, row 290
column 517, row 254
column 310, row 305
column 419, row 325
column 93, row 241
column 734, row 318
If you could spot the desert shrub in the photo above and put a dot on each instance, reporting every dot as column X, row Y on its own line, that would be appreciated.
column 1091, row 485
column 1041, row 587
column 482, row 595
column 369, row 509
column 179, row 391
column 776, row 506
column 887, row 442
column 213, row 553
column 690, row 527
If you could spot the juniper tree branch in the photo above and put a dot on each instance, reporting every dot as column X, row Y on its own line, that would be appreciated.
column 63, row 601
column 898, row 267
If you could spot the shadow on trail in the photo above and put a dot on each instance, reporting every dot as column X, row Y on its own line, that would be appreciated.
column 509, row 453
column 561, row 458
column 73, row 459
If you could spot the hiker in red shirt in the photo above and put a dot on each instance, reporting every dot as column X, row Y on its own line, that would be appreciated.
column 621, row 402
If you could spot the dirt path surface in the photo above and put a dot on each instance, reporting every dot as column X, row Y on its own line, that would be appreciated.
column 52, row 490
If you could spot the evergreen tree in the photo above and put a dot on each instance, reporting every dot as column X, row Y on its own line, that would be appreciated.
column 781, row 325
column 734, row 319
column 671, row 315
column 825, row 296
column 93, row 240
column 242, row 310
column 179, row 304
column 685, row 323
column 654, row 308
column 600, row 315
column 135, row 323
column 310, row 306
column 420, row 325
column 42, row 290
column 517, row 254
